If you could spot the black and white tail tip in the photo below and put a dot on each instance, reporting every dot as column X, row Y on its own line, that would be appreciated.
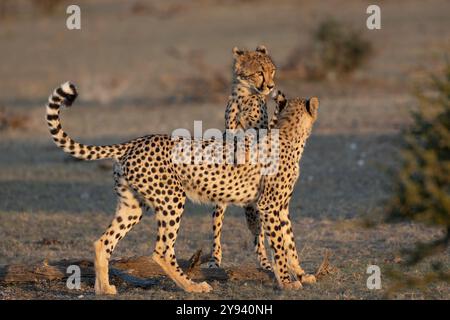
column 65, row 95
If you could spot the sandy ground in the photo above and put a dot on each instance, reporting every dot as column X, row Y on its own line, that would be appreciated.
column 130, row 69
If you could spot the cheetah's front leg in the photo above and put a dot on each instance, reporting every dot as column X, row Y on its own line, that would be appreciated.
column 101, row 262
column 291, row 251
column 272, row 227
column 216, row 253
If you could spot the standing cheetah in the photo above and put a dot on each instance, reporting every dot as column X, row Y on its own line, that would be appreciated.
column 147, row 173
column 295, row 122
column 253, row 80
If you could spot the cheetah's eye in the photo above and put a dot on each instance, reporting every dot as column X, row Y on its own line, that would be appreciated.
column 260, row 73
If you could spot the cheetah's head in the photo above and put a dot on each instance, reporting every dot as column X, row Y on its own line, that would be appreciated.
column 296, row 114
column 254, row 69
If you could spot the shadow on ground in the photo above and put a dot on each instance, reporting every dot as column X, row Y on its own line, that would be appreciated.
column 341, row 176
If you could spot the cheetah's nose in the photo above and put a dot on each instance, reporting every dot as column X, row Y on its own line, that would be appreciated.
column 270, row 86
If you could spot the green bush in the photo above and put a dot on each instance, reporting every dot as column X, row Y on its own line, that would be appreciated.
column 341, row 49
column 422, row 190
column 335, row 49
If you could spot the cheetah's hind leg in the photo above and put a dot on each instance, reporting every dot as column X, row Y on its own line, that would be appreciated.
column 255, row 226
column 128, row 213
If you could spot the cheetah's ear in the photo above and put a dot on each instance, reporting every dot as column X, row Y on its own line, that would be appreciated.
column 237, row 52
column 311, row 106
column 262, row 49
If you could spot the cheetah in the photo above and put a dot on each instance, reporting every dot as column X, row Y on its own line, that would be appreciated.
column 147, row 173
column 295, row 122
column 253, row 80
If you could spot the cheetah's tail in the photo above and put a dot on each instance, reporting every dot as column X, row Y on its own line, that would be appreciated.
column 66, row 95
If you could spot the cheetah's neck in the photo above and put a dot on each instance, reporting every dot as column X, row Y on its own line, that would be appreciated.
column 245, row 109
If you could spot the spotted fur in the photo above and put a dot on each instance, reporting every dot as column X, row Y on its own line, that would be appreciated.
column 253, row 80
column 295, row 122
column 146, row 173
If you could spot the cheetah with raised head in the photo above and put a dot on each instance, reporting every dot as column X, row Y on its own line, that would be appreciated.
column 253, row 80
column 147, row 173
column 295, row 122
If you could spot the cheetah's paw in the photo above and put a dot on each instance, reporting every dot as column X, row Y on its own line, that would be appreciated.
column 105, row 289
column 308, row 278
column 293, row 285
column 201, row 287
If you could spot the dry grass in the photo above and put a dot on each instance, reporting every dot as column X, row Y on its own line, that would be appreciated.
column 325, row 267
column 51, row 208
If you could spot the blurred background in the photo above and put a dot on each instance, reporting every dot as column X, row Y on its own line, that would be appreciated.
column 153, row 66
